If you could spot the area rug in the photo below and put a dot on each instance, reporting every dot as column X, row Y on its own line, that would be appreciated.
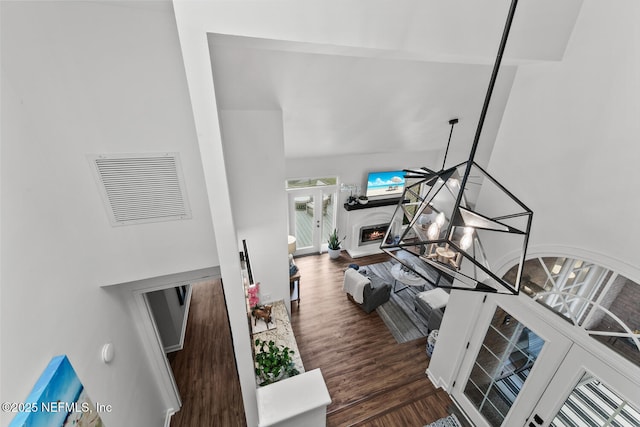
column 404, row 323
column 450, row 421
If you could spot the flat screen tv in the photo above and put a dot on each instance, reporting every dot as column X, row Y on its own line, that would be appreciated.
column 387, row 184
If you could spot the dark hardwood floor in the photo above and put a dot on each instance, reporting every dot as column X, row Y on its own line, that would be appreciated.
column 372, row 380
column 205, row 369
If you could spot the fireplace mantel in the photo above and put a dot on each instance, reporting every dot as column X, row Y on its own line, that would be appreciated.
column 373, row 203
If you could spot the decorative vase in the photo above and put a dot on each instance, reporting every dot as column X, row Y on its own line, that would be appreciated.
column 363, row 201
column 334, row 253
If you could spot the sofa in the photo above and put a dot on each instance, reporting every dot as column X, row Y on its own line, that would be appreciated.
column 366, row 290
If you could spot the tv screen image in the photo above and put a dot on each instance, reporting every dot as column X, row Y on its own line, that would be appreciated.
column 385, row 184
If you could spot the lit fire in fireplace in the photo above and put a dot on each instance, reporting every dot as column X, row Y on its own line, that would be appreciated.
column 372, row 234
column 376, row 235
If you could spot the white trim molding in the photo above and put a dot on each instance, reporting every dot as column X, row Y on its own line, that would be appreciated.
column 133, row 294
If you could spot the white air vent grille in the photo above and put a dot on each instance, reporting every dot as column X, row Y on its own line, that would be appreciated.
column 142, row 187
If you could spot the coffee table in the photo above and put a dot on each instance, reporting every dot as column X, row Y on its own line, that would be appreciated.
column 407, row 277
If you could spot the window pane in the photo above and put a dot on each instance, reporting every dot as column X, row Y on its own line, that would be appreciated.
column 504, row 361
column 601, row 301
column 594, row 404
column 303, row 220
column 311, row 182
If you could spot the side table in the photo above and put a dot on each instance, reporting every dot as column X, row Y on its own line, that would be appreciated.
column 294, row 287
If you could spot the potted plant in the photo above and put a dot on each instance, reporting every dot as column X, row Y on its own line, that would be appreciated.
column 351, row 200
column 363, row 200
column 273, row 362
column 334, row 244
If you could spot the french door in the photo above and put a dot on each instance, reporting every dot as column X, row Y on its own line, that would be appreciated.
column 520, row 370
column 311, row 218
column 595, row 394
column 510, row 360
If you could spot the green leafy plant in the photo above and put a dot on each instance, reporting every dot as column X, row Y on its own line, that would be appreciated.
column 273, row 362
column 334, row 241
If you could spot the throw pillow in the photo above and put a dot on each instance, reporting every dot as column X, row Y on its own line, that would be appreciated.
column 293, row 269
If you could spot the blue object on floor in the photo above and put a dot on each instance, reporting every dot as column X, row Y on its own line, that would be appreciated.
column 354, row 266
column 450, row 421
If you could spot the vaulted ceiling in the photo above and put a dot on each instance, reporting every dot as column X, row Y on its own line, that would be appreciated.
column 354, row 96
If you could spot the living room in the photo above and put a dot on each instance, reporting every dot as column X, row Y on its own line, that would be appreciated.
column 564, row 142
column 517, row 164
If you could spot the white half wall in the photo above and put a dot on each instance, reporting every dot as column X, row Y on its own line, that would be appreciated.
column 252, row 142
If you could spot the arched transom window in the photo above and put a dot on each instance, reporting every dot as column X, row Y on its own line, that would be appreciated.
column 603, row 302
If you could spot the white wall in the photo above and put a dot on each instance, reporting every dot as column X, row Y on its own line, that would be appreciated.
column 253, row 143
column 169, row 316
column 568, row 145
column 81, row 78
column 454, row 333
column 353, row 169
column 568, row 148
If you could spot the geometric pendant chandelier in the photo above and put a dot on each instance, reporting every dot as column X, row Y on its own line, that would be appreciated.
column 460, row 219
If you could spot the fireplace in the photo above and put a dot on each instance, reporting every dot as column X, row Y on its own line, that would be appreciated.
column 371, row 234
column 374, row 218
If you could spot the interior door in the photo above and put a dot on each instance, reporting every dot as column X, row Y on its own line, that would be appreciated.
column 311, row 218
column 509, row 362
column 595, row 394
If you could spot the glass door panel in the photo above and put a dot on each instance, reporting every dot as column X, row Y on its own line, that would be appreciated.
column 597, row 394
column 592, row 402
column 311, row 218
column 303, row 220
column 508, row 364
column 328, row 216
column 506, row 357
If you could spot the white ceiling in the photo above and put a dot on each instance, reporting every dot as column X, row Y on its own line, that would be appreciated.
column 340, row 99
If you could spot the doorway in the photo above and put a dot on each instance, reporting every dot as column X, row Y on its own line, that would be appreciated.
column 169, row 308
column 588, row 399
column 312, row 213
column 510, row 361
column 205, row 369
column 526, row 370
column 134, row 295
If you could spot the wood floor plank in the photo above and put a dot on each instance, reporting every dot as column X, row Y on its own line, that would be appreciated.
column 368, row 374
column 205, row 369
column 372, row 380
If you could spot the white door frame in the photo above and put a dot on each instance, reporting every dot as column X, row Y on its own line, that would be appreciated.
column 133, row 293
column 317, row 194
column 625, row 383
column 526, row 310
column 553, row 352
